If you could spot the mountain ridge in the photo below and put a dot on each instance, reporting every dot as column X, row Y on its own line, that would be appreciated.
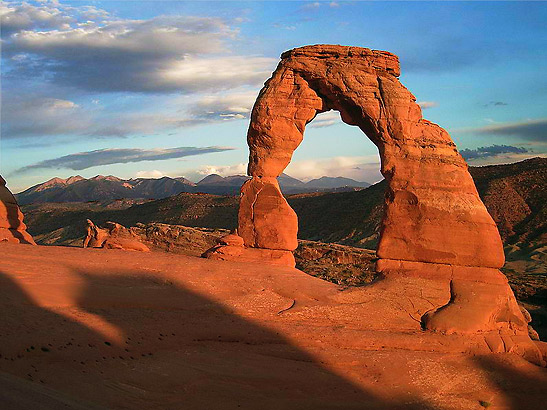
column 105, row 188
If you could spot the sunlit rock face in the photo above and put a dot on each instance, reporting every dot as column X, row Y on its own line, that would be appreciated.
column 113, row 236
column 433, row 212
column 436, row 234
column 12, row 228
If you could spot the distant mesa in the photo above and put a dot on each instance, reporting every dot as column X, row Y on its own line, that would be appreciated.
column 12, row 227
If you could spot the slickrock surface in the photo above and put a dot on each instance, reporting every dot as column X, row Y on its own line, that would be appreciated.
column 434, row 226
column 131, row 330
column 12, row 228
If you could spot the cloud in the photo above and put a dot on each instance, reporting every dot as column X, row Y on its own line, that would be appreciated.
column 496, row 104
column 26, row 115
column 84, row 160
column 223, row 107
column 16, row 17
column 289, row 27
column 311, row 5
column 162, row 54
column 76, row 52
column 361, row 168
column 150, row 174
column 223, row 170
column 424, row 105
column 533, row 130
column 197, row 174
column 491, row 151
column 326, row 119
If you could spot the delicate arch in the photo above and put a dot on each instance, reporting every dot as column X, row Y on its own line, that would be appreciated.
column 432, row 209
column 435, row 231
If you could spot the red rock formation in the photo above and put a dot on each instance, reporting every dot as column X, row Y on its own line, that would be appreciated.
column 12, row 228
column 232, row 247
column 435, row 226
column 113, row 236
column 430, row 189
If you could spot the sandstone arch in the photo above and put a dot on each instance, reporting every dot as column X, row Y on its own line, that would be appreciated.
column 435, row 230
column 433, row 212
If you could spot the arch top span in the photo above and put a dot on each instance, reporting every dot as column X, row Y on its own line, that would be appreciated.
column 379, row 60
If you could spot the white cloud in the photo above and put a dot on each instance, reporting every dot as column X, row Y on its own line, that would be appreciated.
column 26, row 115
column 57, row 104
column 15, row 17
column 108, row 156
column 197, row 174
column 222, row 170
column 86, row 48
column 162, row 54
column 196, row 73
column 289, row 27
column 427, row 104
column 236, row 105
column 361, row 168
column 529, row 130
column 326, row 119
column 150, row 174
column 314, row 5
column 505, row 158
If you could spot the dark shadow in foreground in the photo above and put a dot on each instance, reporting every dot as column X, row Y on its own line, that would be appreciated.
column 182, row 351
column 520, row 390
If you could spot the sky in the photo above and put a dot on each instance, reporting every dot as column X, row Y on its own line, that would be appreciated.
column 153, row 88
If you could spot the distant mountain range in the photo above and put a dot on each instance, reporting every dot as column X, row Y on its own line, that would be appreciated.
column 106, row 188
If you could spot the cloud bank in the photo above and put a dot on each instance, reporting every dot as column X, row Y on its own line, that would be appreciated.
column 534, row 130
column 162, row 54
column 491, row 151
column 109, row 156
column 79, row 54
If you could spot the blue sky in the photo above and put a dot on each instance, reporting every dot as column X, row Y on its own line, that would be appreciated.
column 140, row 88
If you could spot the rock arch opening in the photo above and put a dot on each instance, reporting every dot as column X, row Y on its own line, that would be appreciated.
column 330, row 150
